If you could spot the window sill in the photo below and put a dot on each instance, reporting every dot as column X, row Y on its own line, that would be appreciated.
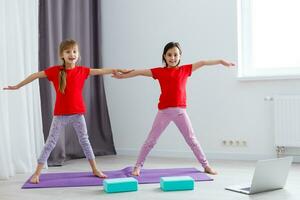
column 268, row 77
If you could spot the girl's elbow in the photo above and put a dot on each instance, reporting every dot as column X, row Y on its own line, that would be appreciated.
column 34, row 75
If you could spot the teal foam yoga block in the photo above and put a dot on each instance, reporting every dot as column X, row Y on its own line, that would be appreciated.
column 120, row 185
column 173, row 183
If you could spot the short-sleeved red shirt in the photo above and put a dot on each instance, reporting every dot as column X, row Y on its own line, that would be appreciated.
column 173, row 85
column 71, row 102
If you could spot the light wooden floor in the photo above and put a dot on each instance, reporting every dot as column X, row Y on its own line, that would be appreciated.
column 230, row 172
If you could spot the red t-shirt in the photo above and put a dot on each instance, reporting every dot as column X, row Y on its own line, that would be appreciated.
column 172, row 84
column 71, row 102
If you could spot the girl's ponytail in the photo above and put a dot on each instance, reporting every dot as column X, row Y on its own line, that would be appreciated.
column 62, row 76
column 62, row 79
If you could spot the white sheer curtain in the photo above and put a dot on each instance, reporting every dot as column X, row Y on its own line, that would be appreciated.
column 20, row 115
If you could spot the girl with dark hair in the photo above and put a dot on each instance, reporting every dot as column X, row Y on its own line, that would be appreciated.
column 172, row 102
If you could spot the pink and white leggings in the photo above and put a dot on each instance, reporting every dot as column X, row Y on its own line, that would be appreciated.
column 182, row 121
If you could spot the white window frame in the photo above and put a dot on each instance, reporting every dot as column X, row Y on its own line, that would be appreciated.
column 245, row 72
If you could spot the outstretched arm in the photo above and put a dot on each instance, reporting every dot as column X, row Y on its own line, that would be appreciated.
column 104, row 71
column 29, row 79
column 202, row 63
column 101, row 71
column 133, row 73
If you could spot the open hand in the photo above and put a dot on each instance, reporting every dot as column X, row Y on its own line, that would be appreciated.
column 120, row 73
column 227, row 63
column 117, row 75
column 124, row 71
column 14, row 87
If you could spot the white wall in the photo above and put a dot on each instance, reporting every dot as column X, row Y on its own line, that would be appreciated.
column 220, row 106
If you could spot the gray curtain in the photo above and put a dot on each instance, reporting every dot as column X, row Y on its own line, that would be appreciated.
column 79, row 20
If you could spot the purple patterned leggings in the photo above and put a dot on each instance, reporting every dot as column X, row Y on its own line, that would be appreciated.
column 58, row 124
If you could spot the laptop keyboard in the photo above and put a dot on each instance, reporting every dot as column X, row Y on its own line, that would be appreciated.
column 246, row 189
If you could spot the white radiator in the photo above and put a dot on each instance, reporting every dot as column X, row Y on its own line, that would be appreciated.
column 287, row 120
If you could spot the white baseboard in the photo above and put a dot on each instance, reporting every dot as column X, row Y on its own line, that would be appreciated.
column 209, row 155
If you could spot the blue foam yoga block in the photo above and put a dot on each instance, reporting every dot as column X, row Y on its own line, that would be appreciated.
column 120, row 185
column 173, row 183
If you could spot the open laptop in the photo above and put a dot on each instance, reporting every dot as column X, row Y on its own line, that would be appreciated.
column 269, row 175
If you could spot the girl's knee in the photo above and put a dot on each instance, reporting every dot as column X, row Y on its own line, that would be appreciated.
column 192, row 141
column 150, row 143
column 83, row 138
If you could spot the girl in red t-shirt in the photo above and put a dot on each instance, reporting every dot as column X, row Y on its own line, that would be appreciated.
column 68, row 81
column 172, row 102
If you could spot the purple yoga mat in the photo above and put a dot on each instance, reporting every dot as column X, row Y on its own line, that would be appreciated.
column 79, row 179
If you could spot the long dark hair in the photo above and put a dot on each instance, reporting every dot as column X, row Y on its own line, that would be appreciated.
column 168, row 46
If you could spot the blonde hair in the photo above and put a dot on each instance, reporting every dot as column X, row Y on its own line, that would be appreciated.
column 62, row 75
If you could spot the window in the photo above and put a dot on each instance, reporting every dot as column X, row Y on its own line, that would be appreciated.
column 268, row 39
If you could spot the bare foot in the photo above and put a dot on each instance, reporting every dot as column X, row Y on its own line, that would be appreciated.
column 136, row 171
column 99, row 174
column 210, row 170
column 35, row 179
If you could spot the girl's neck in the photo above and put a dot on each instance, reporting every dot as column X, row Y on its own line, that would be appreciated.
column 171, row 66
column 69, row 66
